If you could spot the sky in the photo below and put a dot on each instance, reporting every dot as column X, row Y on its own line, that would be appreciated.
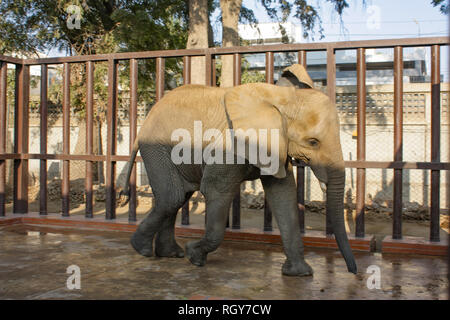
column 378, row 19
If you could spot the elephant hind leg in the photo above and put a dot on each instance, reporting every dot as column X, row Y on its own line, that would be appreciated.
column 142, row 239
column 165, row 244
column 160, row 222
column 169, row 189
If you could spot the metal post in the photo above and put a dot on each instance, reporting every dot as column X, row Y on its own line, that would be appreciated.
column 186, row 80
column 160, row 69
column 236, row 206
column 133, row 134
column 331, row 88
column 186, row 70
column 361, row 142
column 3, row 132
column 269, row 79
column 22, row 94
column 435, row 142
column 111, row 140
column 208, row 69
column 398, row 142
column 213, row 71
column 269, row 67
column 267, row 217
column 65, row 186
column 331, row 73
column 89, row 212
column 43, row 142
column 301, row 169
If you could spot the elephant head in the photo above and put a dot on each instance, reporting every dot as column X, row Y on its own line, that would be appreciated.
column 309, row 131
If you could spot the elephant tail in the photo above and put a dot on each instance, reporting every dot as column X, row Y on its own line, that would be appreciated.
column 124, row 195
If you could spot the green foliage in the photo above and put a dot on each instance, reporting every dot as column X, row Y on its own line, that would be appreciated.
column 305, row 11
column 106, row 26
column 250, row 76
column 443, row 5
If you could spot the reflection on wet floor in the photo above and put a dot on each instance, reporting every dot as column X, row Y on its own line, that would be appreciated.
column 33, row 264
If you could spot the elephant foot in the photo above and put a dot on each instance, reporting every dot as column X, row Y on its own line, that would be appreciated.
column 299, row 269
column 143, row 245
column 195, row 254
column 169, row 251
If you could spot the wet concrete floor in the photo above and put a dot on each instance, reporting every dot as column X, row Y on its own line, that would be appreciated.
column 33, row 264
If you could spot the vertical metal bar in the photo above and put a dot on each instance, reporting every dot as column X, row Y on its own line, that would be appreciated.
column 186, row 70
column 267, row 217
column 448, row 196
column 89, row 212
column 133, row 134
column 43, row 144
column 22, row 94
column 65, row 188
column 301, row 169
column 185, row 214
column 111, row 140
column 361, row 142
column 331, row 74
column 3, row 132
column 236, row 206
column 269, row 79
column 331, row 89
column 269, row 67
column 208, row 69
column 160, row 69
column 236, row 212
column 398, row 142
column 435, row 141
column 301, row 196
column 186, row 80
column 302, row 58
column 213, row 71
column 237, row 62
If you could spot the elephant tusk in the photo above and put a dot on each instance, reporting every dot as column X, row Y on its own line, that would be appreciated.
column 323, row 186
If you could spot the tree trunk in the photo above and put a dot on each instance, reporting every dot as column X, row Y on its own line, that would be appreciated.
column 198, row 37
column 78, row 168
column 230, row 37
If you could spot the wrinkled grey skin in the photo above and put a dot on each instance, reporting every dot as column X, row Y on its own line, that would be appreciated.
column 173, row 185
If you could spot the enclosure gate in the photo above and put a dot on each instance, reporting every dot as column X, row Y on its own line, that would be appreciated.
column 21, row 154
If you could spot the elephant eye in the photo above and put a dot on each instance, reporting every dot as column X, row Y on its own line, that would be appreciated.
column 313, row 142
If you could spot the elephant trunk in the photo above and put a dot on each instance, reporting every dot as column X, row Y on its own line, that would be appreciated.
column 335, row 210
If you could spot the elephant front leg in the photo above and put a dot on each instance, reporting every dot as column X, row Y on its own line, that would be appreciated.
column 217, row 209
column 219, row 185
column 282, row 199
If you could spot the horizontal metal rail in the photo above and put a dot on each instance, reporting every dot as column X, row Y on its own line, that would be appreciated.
column 344, row 45
column 117, row 158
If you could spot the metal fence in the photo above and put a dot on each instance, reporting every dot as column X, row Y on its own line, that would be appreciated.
column 21, row 155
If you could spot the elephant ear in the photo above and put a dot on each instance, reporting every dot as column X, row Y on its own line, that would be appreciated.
column 295, row 76
column 249, row 111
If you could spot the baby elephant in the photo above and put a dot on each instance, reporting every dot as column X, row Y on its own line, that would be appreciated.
column 212, row 139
